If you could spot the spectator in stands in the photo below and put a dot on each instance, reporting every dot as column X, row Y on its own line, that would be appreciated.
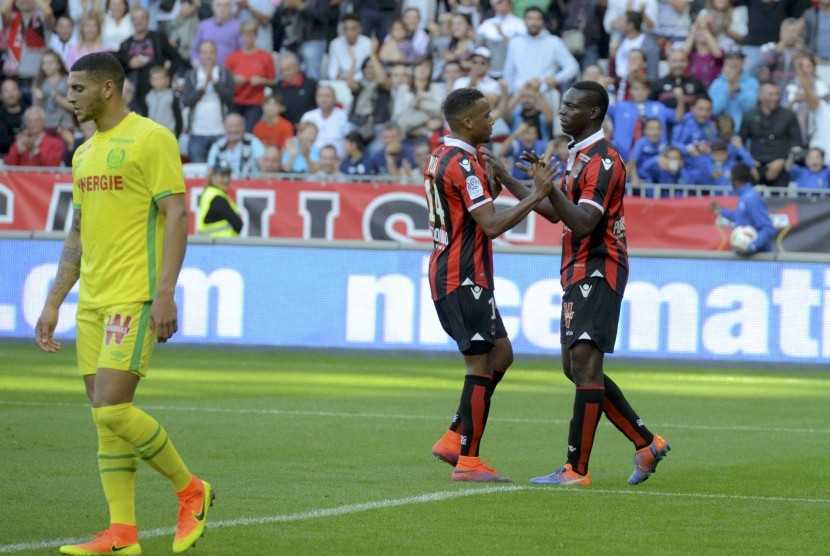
column 260, row 12
column 26, row 26
column 496, row 33
column 552, row 66
column 182, row 30
column 300, row 155
column 678, row 76
column 667, row 168
column 356, row 161
column 809, row 172
column 348, row 50
column 218, row 214
column 751, row 211
column 63, row 39
column 118, row 25
column 89, row 39
column 727, row 22
column 451, row 72
column 273, row 129
column 646, row 148
column 12, row 108
column 735, row 147
column 143, row 50
column 778, row 58
column 396, row 48
column 673, row 21
column 298, row 91
column 496, row 92
column 252, row 70
column 32, row 145
column 637, row 70
column 704, row 52
column 400, row 74
column 242, row 150
column 418, row 101
column 795, row 97
column 524, row 140
column 462, row 42
column 615, row 20
column 630, row 116
column 817, row 30
column 271, row 160
column 415, row 33
column 376, row 16
column 222, row 28
column 389, row 160
column 74, row 138
column 771, row 132
column 208, row 92
column 634, row 38
column 764, row 18
column 420, row 152
column 162, row 104
column 713, row 168
column 695, row 133
column 49, row 91
column 329, row 165
column 319, row 20
column 530, row 105
column 583, row 19
column 332, row 121
column 734, row 91
column 372, row 101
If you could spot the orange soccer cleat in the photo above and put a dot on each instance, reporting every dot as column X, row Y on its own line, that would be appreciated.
column 194, row 504
column 118, row 539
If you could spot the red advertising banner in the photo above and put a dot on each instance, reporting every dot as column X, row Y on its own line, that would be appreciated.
column 376, row 211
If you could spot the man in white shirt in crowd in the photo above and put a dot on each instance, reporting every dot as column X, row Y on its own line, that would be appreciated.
column 495, row 33
column 332, row 121
column 614, row 20
column 352, row 47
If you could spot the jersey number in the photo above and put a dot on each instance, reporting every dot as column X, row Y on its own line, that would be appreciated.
column 436, row 210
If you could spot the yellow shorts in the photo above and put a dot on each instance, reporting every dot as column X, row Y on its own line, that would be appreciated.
column 117, row 337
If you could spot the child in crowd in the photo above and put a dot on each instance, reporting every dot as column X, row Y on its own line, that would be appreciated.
column 713, row 168
column 523, row 140
column 695, row 133
column 812, row 173
column 162, row 105
column 49, row 91
column 726, row 131
column 273, row 129
column 357, row 161
column 667, row 168
column 646, row 148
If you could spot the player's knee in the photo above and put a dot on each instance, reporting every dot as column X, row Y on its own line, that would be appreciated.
column 112, row 417
column 502, row 355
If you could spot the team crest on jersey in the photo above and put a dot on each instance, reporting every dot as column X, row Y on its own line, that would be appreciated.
column 607, row 162
column 568, row 313
column 474, row 187
column 115, row 158
column 465, row 163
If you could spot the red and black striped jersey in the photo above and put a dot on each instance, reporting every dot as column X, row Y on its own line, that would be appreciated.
column 596, row 177
column 456, row 184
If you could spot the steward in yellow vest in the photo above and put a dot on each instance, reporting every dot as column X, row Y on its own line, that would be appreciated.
column 218, row 213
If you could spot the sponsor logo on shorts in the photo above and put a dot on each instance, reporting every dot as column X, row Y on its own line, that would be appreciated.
column 585, row 289
column 568, row 313
column 115, row 330
column 118, row 356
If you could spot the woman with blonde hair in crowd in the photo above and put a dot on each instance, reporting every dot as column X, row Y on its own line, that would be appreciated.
column 89, row 39
column 300, row 156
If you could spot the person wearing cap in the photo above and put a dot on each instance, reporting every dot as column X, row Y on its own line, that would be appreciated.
column 479, row 77
column 218, row 213
column 734, row 91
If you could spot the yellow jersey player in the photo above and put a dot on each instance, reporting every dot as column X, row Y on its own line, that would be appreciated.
column 127, row 243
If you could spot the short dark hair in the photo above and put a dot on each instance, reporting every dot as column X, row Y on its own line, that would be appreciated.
column 355, row 137
column 702, row 96
column 534, row 9
column 597, row 93
column 102, row 66
column 351, row 17
column 635, row 19
column 458, row 104
column 740, row 173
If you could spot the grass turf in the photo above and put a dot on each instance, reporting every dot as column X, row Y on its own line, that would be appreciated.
column 328, row 453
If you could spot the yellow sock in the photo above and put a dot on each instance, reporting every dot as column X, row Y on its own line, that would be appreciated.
column 117, row 464
column 148, row 439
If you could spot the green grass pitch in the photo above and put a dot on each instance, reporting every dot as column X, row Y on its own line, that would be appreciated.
column 329, row 453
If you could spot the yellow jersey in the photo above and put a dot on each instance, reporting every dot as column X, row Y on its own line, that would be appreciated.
column 117, row 177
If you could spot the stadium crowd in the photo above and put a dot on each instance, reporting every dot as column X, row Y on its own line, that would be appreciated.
column 342, row 88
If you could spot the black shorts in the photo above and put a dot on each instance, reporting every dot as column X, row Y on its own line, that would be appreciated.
column 590, row 311
column 470, row 316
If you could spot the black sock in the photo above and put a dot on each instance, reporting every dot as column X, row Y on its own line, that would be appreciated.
column 623, row 416
column 586, row 416
column 474, row 407
column 456, row 420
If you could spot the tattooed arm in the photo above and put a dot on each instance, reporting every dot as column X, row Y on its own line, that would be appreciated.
column 69, row 270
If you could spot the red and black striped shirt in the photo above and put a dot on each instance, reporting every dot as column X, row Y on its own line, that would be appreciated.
column 462, row 253
column 596, row 176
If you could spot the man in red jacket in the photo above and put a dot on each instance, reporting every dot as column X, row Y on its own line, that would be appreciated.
column 32, row 145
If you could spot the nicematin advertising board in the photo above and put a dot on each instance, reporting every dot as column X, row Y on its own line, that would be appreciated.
column 739, row 310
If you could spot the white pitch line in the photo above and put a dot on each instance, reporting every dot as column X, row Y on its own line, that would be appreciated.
column 425, row 499
column 362, row 415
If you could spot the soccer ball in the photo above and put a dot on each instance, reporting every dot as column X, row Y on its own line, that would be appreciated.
column 741, row 237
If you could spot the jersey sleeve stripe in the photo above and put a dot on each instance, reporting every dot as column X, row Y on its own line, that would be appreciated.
column 163, row 194
column 478, row 204
column 593, row 204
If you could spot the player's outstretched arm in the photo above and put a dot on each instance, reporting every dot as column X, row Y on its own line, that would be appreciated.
column 69, row 270
column 517, row 188
column 495, row 223
column 164, row 319
column 580, row 218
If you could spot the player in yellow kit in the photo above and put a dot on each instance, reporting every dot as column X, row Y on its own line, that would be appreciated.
column 127, row 243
